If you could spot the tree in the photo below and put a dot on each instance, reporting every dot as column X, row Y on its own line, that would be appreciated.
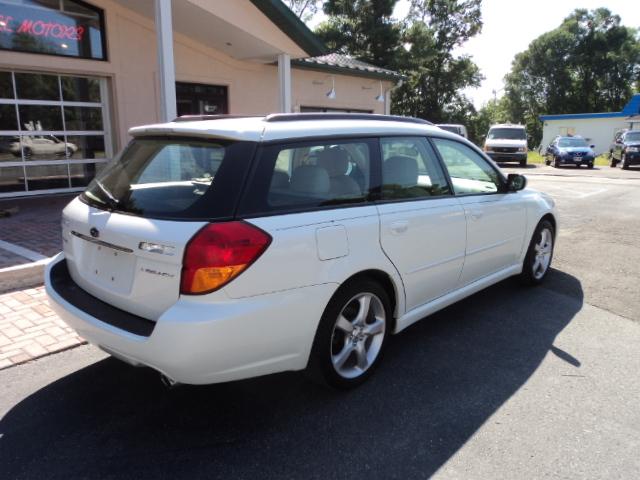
column 304, row 9
column 590, row 63
column 436, row 77
column 364, row 29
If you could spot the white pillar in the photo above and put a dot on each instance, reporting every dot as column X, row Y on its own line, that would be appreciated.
column 284, row 83
column 387, row 102
column 166, row 66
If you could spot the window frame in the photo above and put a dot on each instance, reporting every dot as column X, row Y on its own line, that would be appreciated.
column 381, row 201
column 502, row 188
column 107, row 133
column 257, row 176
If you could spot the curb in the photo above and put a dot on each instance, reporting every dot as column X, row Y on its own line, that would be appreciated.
column 24, row 276
column 48, row 354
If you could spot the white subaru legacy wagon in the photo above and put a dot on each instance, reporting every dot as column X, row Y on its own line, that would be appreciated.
column 217, row 248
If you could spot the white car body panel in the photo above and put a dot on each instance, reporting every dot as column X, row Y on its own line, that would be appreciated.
column 433, row 252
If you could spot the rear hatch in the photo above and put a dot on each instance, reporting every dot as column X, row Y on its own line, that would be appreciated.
column 125, row 236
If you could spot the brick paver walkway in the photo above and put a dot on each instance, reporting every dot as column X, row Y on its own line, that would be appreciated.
column 30, row 329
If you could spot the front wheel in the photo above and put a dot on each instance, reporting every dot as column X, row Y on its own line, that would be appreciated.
column 556, row 162
column 351, row 335
column 623, row 163
column 539, row 255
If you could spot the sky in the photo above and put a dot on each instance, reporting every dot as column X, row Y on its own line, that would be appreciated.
column 509, row 26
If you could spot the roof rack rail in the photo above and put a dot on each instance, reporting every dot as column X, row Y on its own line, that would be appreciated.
column 194, row 118
column 289, row 117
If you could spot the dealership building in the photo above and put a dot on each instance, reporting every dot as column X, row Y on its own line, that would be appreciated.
column 75, row 76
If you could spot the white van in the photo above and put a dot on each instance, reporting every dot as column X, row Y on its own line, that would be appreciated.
column 507, row 143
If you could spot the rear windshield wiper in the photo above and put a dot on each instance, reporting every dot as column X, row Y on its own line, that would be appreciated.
column 113, row 201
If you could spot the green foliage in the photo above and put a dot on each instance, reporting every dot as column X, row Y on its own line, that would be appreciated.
column 590, row 63
column 420, row 46
column 304, row 9
column 363, row 29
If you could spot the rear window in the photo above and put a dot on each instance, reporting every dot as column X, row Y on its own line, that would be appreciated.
column 173, row 178
column 310, row 175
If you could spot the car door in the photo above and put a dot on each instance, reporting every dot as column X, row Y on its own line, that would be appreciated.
column 617, row 146
column 496, row 220
column 422, row 225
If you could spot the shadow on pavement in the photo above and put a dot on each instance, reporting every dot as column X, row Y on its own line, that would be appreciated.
column 440, row 381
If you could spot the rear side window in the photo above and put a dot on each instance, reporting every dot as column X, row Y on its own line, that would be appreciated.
column 174, row 178
column 410, row 169
column 310, row 175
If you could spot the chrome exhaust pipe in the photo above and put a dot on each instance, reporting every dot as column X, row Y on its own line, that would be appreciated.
column 169, row 383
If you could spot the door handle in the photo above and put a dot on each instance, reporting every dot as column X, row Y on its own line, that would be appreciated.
column 399, row 227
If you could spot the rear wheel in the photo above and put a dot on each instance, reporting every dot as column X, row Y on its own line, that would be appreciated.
column 539, row 255
column 351, row 335
column 556, row 162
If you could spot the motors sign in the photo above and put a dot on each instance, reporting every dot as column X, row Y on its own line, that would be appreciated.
column 40, row 30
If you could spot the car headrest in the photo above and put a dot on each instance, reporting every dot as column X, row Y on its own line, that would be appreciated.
column 334, row 160
column 310, row 179
column 279, row 179
column 400, row 170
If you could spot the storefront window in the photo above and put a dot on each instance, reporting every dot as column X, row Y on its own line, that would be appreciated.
column 53, row 132
column 68, row 28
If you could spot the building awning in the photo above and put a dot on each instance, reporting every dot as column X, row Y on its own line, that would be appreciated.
column 251, row 30
column 631, row 109
column 345, row 64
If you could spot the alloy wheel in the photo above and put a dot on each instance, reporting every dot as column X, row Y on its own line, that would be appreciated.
column 358, row 335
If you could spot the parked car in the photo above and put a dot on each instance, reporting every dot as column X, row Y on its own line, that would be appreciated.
column 625, row 149
column 225, row 248
column 42, row 145
column 507, row 143
column 454, row 128
column 571, row 150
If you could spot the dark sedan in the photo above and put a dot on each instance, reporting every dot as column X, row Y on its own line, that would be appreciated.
column 570, row 151
column 626, row 149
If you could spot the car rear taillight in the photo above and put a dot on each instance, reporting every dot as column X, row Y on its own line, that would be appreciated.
column 218, row 253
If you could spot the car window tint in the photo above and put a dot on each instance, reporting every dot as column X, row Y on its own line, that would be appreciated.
column 410, row 169
column 469, row 172
column 310, row 174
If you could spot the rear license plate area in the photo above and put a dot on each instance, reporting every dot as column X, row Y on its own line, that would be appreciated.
column 111, row 269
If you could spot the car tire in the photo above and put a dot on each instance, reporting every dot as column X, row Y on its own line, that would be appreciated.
column 556, row 162
column 523, row 163
column 27, row 152
column 590, row 165
column 68, row 153
column 539, row 255
column 349, row 341
column 547, row 162
column 623, row 163
column 613, row 163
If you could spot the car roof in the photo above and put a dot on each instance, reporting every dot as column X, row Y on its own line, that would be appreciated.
column 290, row 126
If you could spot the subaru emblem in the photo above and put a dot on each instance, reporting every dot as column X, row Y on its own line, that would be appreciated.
column 95, row 233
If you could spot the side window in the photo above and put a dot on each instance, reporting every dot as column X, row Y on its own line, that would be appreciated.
column 410, row 169
column 469, row 172
column 307, row 175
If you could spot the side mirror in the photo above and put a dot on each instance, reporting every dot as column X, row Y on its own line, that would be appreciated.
column 516, row 182
column 592, row 146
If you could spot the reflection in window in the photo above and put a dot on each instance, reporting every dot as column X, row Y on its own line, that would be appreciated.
column 81, row 174
column 40, row 117
column 85, row 146
column 80, row 89
column 6, row 85
column 9, row 148
column 35, row 86
column 83, row 118
column 45, row 177
column 469, row 172
column 8, row 118
column 12, row 179
column 43, row 147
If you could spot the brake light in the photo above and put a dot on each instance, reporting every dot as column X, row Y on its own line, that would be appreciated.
column 218, row 253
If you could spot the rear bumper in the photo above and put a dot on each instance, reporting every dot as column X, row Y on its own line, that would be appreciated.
column 198, row 341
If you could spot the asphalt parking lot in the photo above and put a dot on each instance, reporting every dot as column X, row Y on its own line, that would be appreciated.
column 510, row 383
